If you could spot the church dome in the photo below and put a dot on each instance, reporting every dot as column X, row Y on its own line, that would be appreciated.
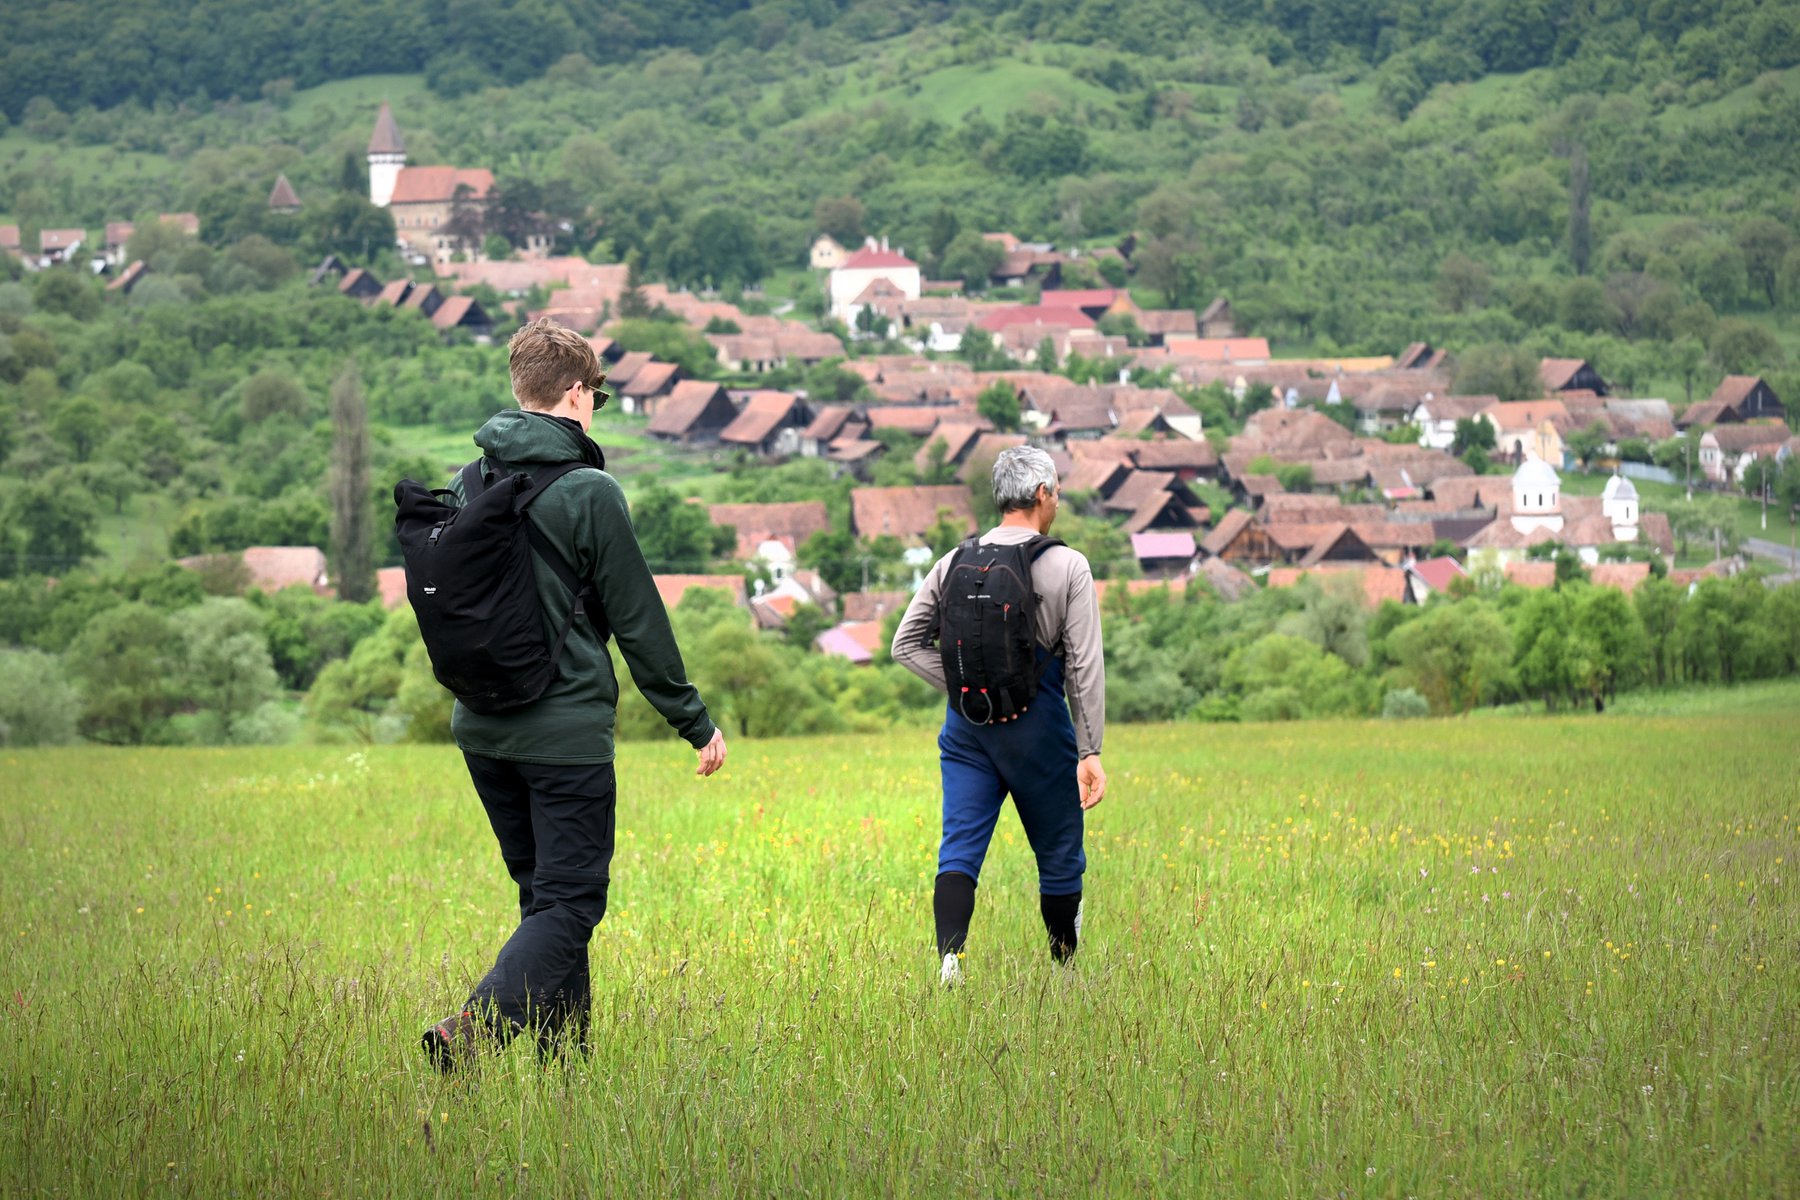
column 1534, row 475
column 1620, row 488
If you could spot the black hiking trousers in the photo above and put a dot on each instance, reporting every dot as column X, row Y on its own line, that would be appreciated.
column 555, row 829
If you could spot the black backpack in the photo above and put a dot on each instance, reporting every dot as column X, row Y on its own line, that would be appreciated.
column 469, row 579
column 987, row 628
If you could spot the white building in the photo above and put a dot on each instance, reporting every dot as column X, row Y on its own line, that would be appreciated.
column 1620, row 504
column 1537, row 497
column 874, row 261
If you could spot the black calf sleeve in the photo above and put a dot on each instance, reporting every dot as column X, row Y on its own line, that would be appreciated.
column 953, row 906
column 1062, row 915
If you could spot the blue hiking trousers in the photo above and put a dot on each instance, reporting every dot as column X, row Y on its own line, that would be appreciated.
column 1032, row 759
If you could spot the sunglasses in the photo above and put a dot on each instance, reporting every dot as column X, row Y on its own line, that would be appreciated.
column 598, row 387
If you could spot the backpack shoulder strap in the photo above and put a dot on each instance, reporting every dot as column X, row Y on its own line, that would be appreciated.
column 474, row 481
column 587, row 599
column 1041, row 542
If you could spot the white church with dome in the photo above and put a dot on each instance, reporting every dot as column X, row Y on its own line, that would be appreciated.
column 1541, row 513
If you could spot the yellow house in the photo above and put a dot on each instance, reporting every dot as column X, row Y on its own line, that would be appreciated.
column 1529, row 429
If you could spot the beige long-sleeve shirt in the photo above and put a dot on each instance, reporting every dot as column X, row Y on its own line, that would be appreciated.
column 1068, row 623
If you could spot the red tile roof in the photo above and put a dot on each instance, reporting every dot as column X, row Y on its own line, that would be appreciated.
column 909, row 512
column 673, row 587
column 1378, row 583
column 439, row 185
column 870, row 256
column 760, row 417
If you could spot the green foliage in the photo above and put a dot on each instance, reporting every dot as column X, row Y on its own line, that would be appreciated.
column 38, row 705
column 1509, row 372
column 351, row 696
column 126, row 662
column 999, row 403
column 224, row 671
column 669, row 341
column 677, row 537
column 1455, row 655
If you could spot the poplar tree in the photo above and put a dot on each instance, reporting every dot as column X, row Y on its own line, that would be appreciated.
column 352, row 546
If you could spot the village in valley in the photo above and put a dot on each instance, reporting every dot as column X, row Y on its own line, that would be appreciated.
column 1351, row 467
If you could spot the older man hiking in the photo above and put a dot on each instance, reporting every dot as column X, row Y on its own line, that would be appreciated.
column 1007, row 625
column 539, row 746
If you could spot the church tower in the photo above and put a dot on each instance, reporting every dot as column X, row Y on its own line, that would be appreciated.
column 1537, row 499
column 387, row 155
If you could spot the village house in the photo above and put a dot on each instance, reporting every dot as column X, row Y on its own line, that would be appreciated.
column 826, row 254
column 1726, row 451
column 671, row 589
column 1526, row 429
column 282, row 197
column 771, row 533
column 910, row 513
column 1373, row 584
column 1437, row 416
column 9, row 241
column 862, row 268
column 694, row 413
column 769, row 424
column 1738, row 398
column 648, row 386
column 1569, row 375
column 1165, row 554
column 832, row 422
column 1217, row 321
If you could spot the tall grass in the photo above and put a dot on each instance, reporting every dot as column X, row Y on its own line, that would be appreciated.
column 1437, row 958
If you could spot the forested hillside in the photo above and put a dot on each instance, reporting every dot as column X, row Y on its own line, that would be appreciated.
column 1597, row 180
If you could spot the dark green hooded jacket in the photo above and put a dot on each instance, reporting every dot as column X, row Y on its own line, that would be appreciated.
column 584, row 516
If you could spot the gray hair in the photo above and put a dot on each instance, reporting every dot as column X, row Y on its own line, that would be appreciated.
column 1019, row 472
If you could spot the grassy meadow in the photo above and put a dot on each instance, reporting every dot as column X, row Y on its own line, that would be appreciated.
column 1553, row 956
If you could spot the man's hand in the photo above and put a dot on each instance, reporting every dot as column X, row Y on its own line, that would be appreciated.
column 712, row 755
column 1091, row 777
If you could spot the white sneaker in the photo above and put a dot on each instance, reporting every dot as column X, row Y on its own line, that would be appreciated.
column 950, row 975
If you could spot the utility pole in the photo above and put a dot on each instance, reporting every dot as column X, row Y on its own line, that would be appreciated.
column 1687, row 452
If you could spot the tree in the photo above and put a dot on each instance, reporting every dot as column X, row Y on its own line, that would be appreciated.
column 1462, row 283
column 1658, row 602
column 38, row 705
column 54, row 521
column 1455, row 655
column 1584, row 444
column 1472, row 433
column 1550, row 656
column 1583, row 306
column 840, row 217
column 1620, row 651
column 1742, row 347
column 1581, row 235
column 125, row 662
column 718, row 247
column 351, row 696
column 979, row 349
column 1509, row 372
column 999, row 403
column 972, row 259
column 833, row 555
column 675, row 535
column 224, row 668
column 352, row 540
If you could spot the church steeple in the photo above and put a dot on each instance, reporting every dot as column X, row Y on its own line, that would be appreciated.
column 387, row 155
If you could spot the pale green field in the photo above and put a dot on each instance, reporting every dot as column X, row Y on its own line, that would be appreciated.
column 1546, row 957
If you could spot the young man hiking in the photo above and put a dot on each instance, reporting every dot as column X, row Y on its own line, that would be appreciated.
column 1007, row 729
column 544, row 769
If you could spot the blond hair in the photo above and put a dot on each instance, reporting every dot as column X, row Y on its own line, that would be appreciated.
column 544, row 358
